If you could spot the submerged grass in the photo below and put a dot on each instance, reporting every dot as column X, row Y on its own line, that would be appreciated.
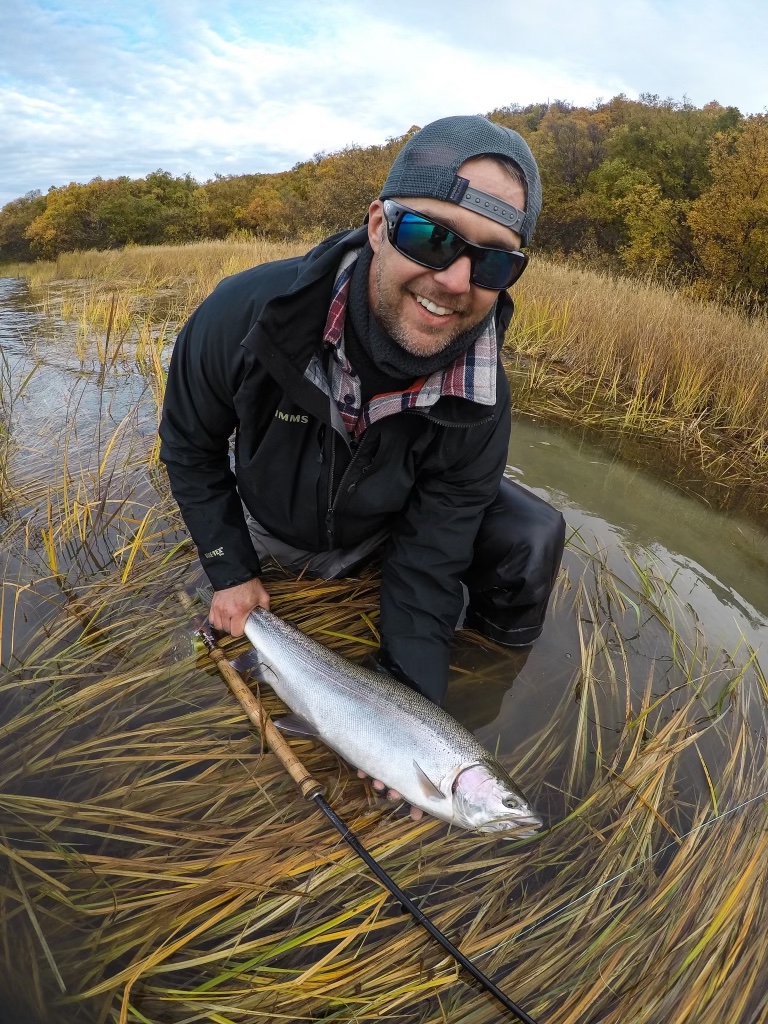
column 159, row 866
column 156, row 865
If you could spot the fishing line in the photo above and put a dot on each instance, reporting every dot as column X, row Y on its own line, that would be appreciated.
column 615, row 878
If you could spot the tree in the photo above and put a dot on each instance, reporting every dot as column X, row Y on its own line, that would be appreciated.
column 669, row 141
column 277, row 208
column 345, row 183
column 729, row 221
column 103, row 214
column 15, row 219
column 71, row 220
column 228, row 197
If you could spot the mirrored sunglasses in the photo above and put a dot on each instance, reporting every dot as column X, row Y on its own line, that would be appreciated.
column 435, row 246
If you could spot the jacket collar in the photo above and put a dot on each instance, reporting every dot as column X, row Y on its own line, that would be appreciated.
column 288, row 332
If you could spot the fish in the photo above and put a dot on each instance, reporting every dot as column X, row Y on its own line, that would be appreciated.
column 389, row 731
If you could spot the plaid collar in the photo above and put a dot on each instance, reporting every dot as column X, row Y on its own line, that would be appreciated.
column 472, row 375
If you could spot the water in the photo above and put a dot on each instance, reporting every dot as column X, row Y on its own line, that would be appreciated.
column 717, row 565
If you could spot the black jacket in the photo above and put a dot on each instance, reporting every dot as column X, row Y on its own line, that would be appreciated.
column 238, row 366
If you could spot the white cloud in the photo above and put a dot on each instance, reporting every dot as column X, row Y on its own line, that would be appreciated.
column 263, row 86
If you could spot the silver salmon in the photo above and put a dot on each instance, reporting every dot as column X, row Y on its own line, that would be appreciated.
column 392, row 733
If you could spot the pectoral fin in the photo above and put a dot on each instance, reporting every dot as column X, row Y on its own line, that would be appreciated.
column 246, row 662
column 428, row 787
column 294, row 725
column 250, row 666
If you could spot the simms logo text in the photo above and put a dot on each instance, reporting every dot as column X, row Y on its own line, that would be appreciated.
column 216, row 553
column 291, row 417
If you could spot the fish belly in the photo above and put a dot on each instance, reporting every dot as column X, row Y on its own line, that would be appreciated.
column 360, row 713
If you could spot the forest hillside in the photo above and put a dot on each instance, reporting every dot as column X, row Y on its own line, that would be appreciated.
column 651, row 187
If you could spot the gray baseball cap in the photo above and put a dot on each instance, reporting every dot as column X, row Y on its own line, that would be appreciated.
column 427, row 166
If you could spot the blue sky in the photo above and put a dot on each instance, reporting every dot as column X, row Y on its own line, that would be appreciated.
column 113, row 88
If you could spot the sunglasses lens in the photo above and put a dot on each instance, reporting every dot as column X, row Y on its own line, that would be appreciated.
column 435, row 246
column 430, row 244
column 497, row 269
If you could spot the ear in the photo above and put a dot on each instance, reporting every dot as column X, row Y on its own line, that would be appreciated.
column 375, row 223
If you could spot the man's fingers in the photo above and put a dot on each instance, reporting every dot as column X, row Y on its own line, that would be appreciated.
column 416, row 812
column 379, row 786
column 231, row 607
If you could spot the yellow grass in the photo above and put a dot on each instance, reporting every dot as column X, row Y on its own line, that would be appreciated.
column 158, row 867
column 638, row 357
column 600, row 350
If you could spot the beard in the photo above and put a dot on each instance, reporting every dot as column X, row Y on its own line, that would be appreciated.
column 387, row 313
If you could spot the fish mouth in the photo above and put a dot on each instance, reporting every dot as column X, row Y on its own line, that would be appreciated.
column 516, row 828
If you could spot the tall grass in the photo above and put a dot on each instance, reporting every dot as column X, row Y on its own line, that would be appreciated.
column 161, row 867
column 643, row 358
column 188, row 271
column 605, row 351
column 156, row 864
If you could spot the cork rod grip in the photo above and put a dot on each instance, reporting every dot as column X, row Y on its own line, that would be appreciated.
column 254, row 709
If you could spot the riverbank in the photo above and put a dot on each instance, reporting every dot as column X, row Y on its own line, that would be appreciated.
column 612, row 354
column 639, row 362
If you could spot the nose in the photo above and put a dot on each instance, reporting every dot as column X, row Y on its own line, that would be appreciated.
column 455, row 278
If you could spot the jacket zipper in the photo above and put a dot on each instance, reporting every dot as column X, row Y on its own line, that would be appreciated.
column 333, row 499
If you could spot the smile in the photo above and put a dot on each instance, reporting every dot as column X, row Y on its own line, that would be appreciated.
column 432, row 306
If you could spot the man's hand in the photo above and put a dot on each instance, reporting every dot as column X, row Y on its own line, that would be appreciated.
column 231, row 607
column 416, row 812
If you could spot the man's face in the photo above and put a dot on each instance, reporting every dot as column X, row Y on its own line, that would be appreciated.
column 398, row 288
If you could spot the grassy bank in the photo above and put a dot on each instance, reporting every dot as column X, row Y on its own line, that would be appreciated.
column 640, row 359
column 608, row 353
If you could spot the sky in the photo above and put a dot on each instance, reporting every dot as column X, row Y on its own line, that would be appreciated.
column 109, row 88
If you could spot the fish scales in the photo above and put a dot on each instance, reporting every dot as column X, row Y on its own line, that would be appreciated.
column 380, row 725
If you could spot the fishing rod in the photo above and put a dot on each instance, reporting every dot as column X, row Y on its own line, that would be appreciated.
column 312, row 790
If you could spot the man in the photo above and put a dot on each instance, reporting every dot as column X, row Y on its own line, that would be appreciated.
column 370, row 410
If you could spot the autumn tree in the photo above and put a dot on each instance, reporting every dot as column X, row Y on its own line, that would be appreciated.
column 15, row 219
column 278, row 206
column 71, row 220
column 103, row 214
column 345, row 183
column 729, row 221
column 227, row 199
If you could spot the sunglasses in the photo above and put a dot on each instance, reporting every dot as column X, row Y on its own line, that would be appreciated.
column 435, row 246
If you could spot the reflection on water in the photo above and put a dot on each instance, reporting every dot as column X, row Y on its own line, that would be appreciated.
column 718, row 563
column 717, row 566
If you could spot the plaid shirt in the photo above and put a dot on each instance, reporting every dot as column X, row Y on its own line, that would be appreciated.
column 472, row 375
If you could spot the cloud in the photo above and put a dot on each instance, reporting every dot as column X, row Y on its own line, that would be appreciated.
column 113, row 89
